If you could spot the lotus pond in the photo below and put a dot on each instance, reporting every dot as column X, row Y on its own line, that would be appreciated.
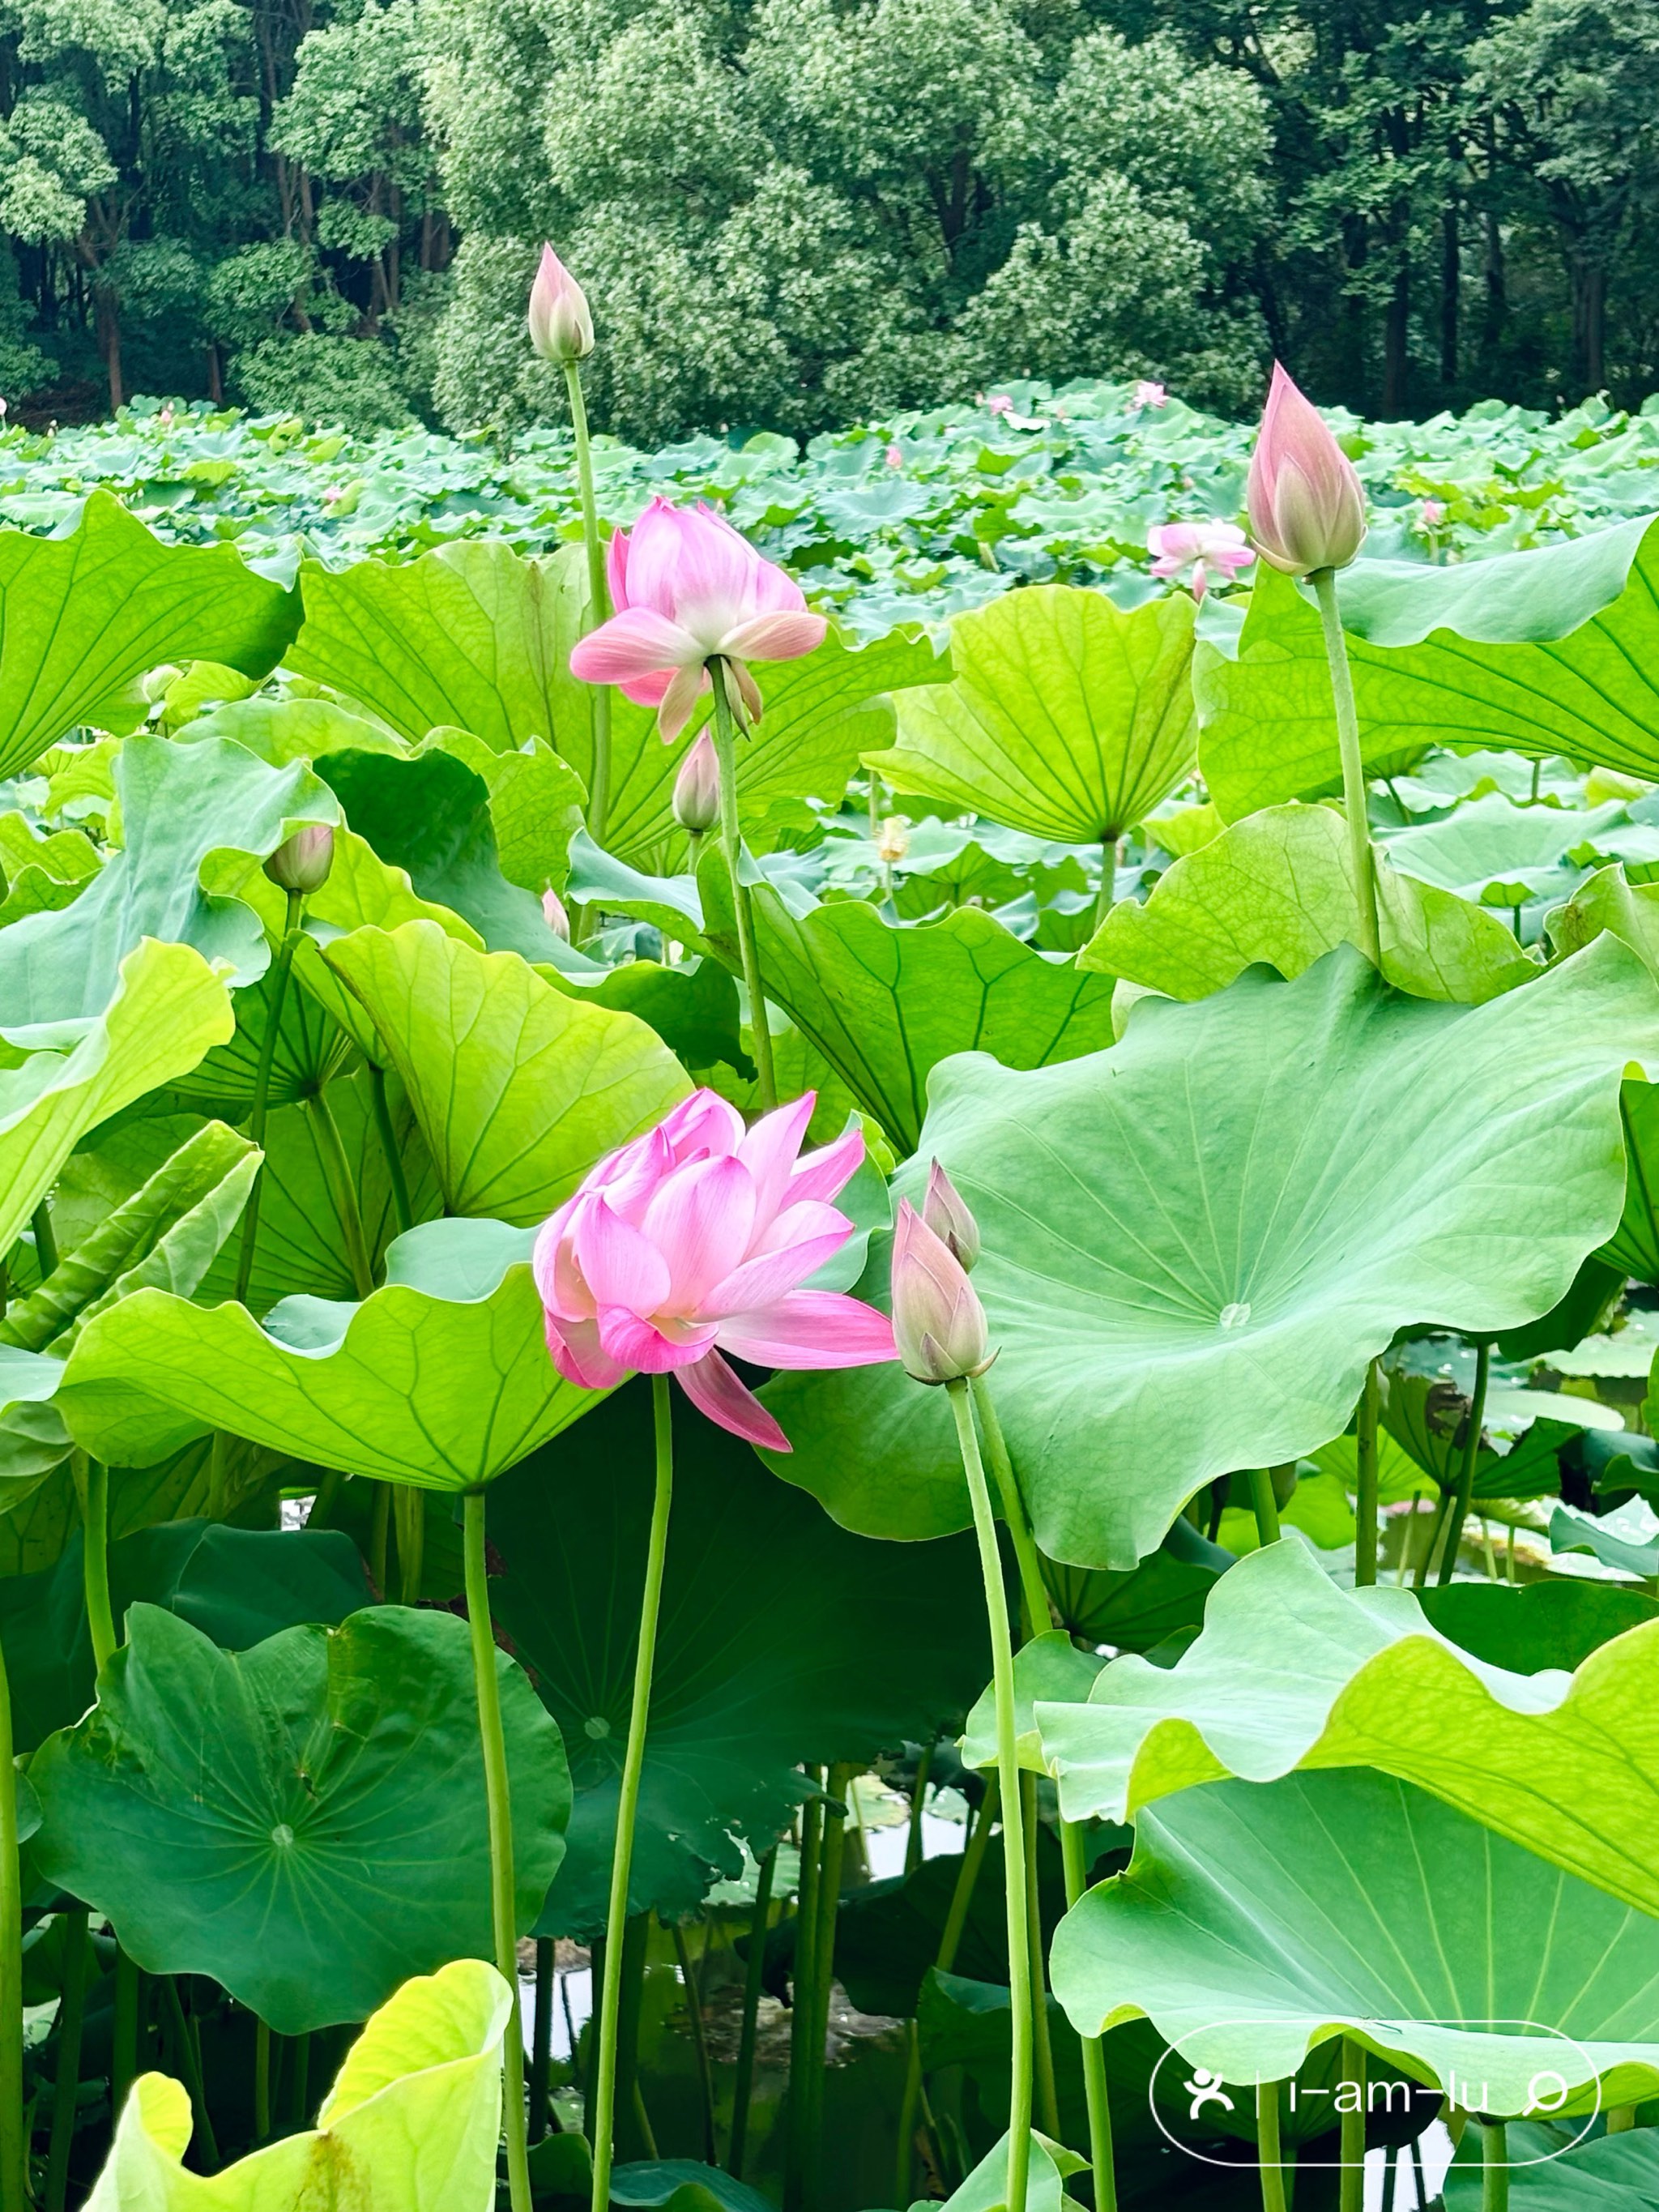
column 902, row 1452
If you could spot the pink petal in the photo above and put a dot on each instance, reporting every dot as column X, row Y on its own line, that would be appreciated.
column 771, row 1148
column 615, row 569
column 762, row 1282
column 693, row 567
column 674, row 709
column 810, row 1328
column 704, row 1124
column 794, row 1224
column 550, row 1270
column 622, row 1268
column 781, row 634
column 636, row 1342
column 579, row 1357
column 822, row 1174
column 713, row 1389
column 652, row 550
column 700, row 1220
column 633, row 645
column 648, row 690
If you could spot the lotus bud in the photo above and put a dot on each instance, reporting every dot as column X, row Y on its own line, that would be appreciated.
column 561, row 327
column 948, row 1217
column 939, row 1323
column 893, row 840
column 1307, row 506
column 554, row 915
column 301, row 863
column 698, row 788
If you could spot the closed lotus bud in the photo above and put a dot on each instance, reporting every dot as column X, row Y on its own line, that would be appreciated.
column 939, row 1323
column 554, row 915
column 945, row 1214
column 894, row 841
column 698, row 788
column 301, row 862
column 1307, row 506
column 561, row 327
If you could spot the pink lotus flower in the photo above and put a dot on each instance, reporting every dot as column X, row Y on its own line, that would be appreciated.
column 687, row 587
column 1149, row 393
column 694, row 1241
column 554, row 913
column 999, row 404
column 1306, row 503
column 1432, row 514
column 895, row 457
column 560, row 326
column 1203, row 547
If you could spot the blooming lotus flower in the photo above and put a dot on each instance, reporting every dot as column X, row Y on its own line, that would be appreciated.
column 693, row 1242
column 1201, row 546
column 1148, row 393
column 697, row 787
column 687, row 587
column 1306, row 503
column 939, row 1323
column 895, row 457
column 561, row 327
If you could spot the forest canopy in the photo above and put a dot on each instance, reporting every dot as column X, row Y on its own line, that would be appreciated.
column 791, row 213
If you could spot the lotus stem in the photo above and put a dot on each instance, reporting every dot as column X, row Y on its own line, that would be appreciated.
column 67, row 2089
column 1351, row 2196
column 1465, row 1491
column 256, row 1120
column 961, row 1897
column 394, row 1158
column 189, row 2061
column 622, row 1857
column 1270, row 2158
column 95, row 1542
column 1106, row 896
column 699, row 2043
column 913, row 1839
column 1443, row 1506
column 13, row 2134
column 1034, row 1597
column 1365, row 1463
column 1048, row 2100
column 45, row 1240
column 726, row 752
column 1093, row 2047
column 753, row 1982
column 503, row 1915
column 124, row 2064
column 410, row 1506
column 1494, row 2166
column 599, row 607
column 1265, row 1502
column 541, row 2049
column 1013, row 1839
column 336, row 1174
column 261, row 2082
column 823, row 1971
column 1362, row 857
column 802, row 2008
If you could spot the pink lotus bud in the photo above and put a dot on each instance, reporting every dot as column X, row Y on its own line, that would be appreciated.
column 554, row 915
column 1306, row 504
column 561, row 327
column 1149, row 393
column 1433, row 514
column 698, row 788
column 895, row 457
column 948, row 1217
column 939, row 1323
column 301, row 862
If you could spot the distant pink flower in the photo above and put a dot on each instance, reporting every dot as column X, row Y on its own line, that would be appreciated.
column 1149, row 393
column 554, row 915
column 1432, row 514
column 686, row 586
column 694, row 1241
column 560, row 326
column 1203, row 547
column 895, row 458
column 1306, row 503
column 999, row 404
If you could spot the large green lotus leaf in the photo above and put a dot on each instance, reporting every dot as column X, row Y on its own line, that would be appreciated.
column 884, row 1004
column 1255, row 1923
column 1555, row 1623
column 1194, row 1243
column 305, row 1821
column 284, row 730
column 692, row 1005
column 41, row 871
column 1539, row 652
column 178, row 805
column 237, row 1585
column 1067, row 717
column 1608, row 2173
column 1166, row 1593
column 310, row 1049
column 1506, row 855
column 411, row 2124
column 517, row 1089
column 782, row 1639
column 34, row 1535
column 1290, row 1672
column 820, row 714
column 430, row 814
column 440, row 1378
column 82, row 617
column 165, row 1009
column 1278, row 887
column 535, row 807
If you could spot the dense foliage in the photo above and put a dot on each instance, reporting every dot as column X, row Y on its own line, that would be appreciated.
column 795, row 214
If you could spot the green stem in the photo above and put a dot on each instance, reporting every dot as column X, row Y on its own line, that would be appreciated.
column 256, row 1123
column 1034, row 1597
column 1365, row 1462
column 67, row 2090
column 803, row 2008
column 1269, row 2156
column 699, row 2044
column 1494, row 2166
column 299, row 2080
column 1013, row 1840
column 622, row 1856
column 1093, row 2049
column 45, row 1240
column 541, row 2040
column 1350, row 2196
column 124, row 2064
column 410, row 1506
column 630, row 2096
column 1466, row 1466
column 1265, row 1504
column 1048, row 2100
column 190, row 2057
column 14, row 2135
column 726, row 752
column 598, row 606
column 975, row 1846
column 486, row 1688
column 1442, row 1508
column 261, row 2082
column 389, row 1148
column 1362, row 859
column 336, row 1174
column 328, row 1492
column 913, row 1841
column 754, row 1981
column 1106, row 896
column 95, row 1557
column 823, row 1969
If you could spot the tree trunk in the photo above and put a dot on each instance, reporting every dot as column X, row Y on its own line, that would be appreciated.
column 215, row 379
column 1451, row 287
column 1396, row 335
column 109, row 340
